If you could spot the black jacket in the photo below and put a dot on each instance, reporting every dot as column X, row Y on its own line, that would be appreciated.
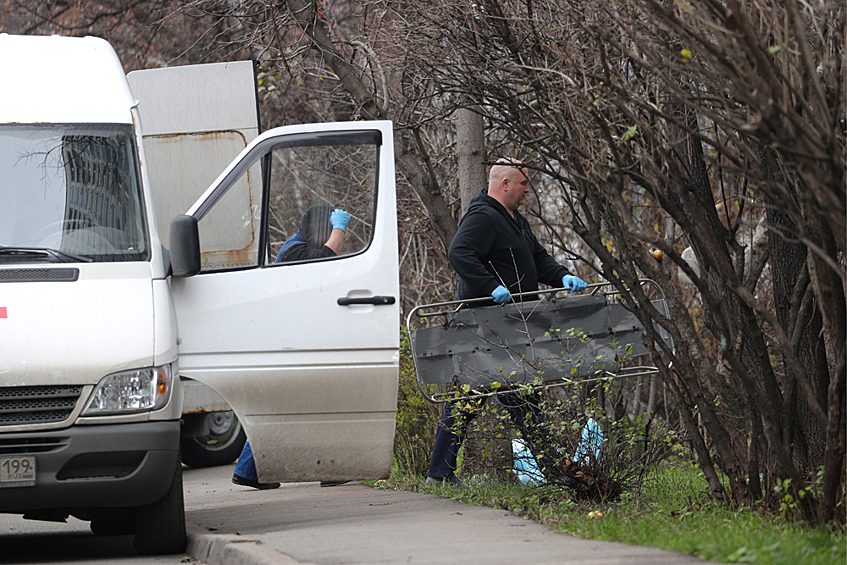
column 492, row 248
column 306, row 251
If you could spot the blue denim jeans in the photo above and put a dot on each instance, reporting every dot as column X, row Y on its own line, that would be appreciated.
column 246, row 467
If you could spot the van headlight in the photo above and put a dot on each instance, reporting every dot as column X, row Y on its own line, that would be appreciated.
column 130, row 391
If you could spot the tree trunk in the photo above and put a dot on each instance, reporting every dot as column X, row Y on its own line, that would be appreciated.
column 711, row 240
column 470, row 153
column 796, row 313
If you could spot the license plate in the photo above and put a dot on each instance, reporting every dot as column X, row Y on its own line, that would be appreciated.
column 17, row 471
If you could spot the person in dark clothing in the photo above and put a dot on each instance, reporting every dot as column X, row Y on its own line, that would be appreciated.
column 321, row 234
column 496, row 254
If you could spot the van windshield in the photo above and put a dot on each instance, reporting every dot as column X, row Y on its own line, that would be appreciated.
column 72, row 190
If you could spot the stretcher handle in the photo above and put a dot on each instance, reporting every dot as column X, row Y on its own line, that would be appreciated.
column 461, row 303
column 593, row 287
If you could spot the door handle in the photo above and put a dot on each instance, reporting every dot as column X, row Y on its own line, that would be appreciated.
column 375, row 300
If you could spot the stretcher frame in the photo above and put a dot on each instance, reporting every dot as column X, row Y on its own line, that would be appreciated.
column 430, row 356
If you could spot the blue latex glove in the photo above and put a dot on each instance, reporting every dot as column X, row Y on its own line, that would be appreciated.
column 339, row 219
column 574, row 284
column 500, row 294
column 588, row 450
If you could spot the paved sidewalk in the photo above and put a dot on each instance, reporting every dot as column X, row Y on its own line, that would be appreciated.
column 302, row 523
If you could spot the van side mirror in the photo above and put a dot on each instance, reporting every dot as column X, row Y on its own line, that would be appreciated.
column 185, row 246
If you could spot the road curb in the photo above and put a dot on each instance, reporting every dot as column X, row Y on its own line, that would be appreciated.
column 214, row 549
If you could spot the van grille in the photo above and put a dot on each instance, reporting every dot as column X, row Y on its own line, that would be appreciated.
column 37, row 404
column 20, row 446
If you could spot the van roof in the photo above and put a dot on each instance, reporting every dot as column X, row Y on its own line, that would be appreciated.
column 55, row 79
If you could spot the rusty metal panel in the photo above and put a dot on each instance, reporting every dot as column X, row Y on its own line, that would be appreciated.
column 198, row 397
column 195, row 120
column 182, row 167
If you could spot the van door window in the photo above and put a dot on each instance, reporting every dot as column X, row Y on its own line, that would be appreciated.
column 306, row 185
column 304, row 174
column 229, row 233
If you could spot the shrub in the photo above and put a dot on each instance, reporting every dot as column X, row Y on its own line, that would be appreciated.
column 416, row 419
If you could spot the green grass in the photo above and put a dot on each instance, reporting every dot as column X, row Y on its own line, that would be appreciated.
column 672, row 512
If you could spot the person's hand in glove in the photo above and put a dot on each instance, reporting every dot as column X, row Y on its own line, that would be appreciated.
column 500, row 294
column 573, row 284
column 339, row 220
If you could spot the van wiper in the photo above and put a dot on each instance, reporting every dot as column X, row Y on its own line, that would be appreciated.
column 43, row 252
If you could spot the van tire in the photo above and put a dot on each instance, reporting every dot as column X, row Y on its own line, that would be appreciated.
column 160, row 527
column 222, row 446
column 118, row 523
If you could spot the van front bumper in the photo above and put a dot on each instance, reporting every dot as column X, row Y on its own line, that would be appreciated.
column 97, row 466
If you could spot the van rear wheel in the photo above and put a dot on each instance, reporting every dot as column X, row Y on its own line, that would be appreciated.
column 160, row 527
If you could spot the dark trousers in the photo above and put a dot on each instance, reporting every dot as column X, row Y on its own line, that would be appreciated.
column 523, row 410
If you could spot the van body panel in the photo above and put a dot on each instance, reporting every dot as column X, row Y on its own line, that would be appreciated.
column 159, row 259
column 165, row 349
column 77, row 332
column 67, row 68
column 175, row 100
column 185, row 144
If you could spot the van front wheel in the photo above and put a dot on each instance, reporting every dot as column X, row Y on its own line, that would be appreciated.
column 221, row 446
column 160, row 527
column 120, row 522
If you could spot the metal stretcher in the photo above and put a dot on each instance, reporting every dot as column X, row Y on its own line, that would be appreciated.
column 530, row 342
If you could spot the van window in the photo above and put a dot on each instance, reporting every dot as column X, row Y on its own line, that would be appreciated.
column 300, row 173
column 321, row 178
column 72, row 190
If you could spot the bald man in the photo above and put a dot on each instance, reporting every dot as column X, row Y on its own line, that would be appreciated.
column 496, row 254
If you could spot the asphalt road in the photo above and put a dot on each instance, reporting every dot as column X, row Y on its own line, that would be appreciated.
column 302, row 523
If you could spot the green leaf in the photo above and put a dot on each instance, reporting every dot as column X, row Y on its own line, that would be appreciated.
column 629, row 134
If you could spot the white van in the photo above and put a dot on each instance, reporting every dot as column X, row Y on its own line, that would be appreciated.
column 100, row 319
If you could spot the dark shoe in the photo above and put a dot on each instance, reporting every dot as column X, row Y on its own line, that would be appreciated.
column 564, row 480
column 450, row 480
column 238, row 480
column 333, row 483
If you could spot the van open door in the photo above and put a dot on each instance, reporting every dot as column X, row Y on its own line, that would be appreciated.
column 305, row 352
